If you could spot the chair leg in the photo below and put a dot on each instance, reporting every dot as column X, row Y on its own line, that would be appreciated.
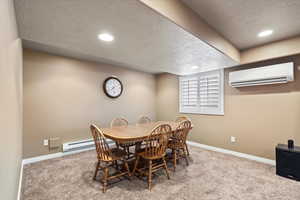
column 174, row 159
column 135, row 164
column 185, row 156
column 96, row 170
column 127, row 168
column 150, row 175
column 137, row 147
column 187, row 149
column 166, row 168
column 105, row 177
column 116, row 165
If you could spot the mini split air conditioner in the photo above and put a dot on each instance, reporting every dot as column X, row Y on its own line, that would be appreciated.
column 272, row 74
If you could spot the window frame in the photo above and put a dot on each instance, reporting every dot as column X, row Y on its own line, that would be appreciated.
column 198, row 109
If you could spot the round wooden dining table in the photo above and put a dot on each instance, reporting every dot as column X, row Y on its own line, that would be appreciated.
column 134, row 133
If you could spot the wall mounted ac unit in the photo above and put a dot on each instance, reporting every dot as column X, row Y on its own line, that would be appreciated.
column 272, row 74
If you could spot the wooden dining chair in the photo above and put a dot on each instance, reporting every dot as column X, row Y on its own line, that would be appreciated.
column 107, row 157
column 122, row 122
column 144, row 120
column 178, row 120
column 182, row 118
column 177, row 143
column 118, row 122
column 155, row 150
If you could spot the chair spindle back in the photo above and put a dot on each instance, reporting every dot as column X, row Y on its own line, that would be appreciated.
column 182, row 131
column 118, row 122
column 181, row 118
column 157, row 141
column 144, row 120
column 102, row 148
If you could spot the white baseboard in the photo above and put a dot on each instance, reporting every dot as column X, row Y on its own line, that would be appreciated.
column 204, row 146
column 60, row 154
column 235, row 153
column 53, row 155
column 20, row 181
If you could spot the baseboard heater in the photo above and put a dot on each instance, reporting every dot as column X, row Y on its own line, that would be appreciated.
column 81, row 144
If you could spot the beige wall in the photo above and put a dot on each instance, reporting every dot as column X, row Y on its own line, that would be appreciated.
column 287, row 47
column 259, row 117
column 62, row 96
column 185, row 17
column 10, row 103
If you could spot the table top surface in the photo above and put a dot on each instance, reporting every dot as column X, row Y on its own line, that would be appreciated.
column 134, row 132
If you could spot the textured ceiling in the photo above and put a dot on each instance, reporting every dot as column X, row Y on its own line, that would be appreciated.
column 144, row 40
column 241, row 20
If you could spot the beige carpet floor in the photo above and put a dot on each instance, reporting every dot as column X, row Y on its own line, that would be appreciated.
column 210, row 176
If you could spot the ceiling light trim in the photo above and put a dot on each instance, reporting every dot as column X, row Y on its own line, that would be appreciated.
column 106, row 37
column 265, row 33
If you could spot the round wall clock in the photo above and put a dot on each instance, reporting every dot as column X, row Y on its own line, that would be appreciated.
column 112, row 87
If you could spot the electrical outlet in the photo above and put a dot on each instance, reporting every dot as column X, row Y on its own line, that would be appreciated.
column 46, row 142
column 232, row 139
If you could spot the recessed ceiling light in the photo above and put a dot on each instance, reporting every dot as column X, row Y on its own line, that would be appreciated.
column 265, row 33
column 195, row 67
column 106, row 37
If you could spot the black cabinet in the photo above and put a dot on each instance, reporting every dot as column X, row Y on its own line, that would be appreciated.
column 288, row 162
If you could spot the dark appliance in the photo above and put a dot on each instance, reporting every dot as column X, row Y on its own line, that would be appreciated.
column 288, row 161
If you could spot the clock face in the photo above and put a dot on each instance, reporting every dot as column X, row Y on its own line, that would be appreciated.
column 113, row 87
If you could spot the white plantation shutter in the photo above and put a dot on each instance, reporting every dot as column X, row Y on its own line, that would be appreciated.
column 202, row 93
column 189, row 88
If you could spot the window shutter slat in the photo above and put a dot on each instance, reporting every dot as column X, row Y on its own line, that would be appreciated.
column 209, row 91
column 189, row 92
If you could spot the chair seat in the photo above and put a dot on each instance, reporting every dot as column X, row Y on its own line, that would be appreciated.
column 116, row 154
column 146, row 155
